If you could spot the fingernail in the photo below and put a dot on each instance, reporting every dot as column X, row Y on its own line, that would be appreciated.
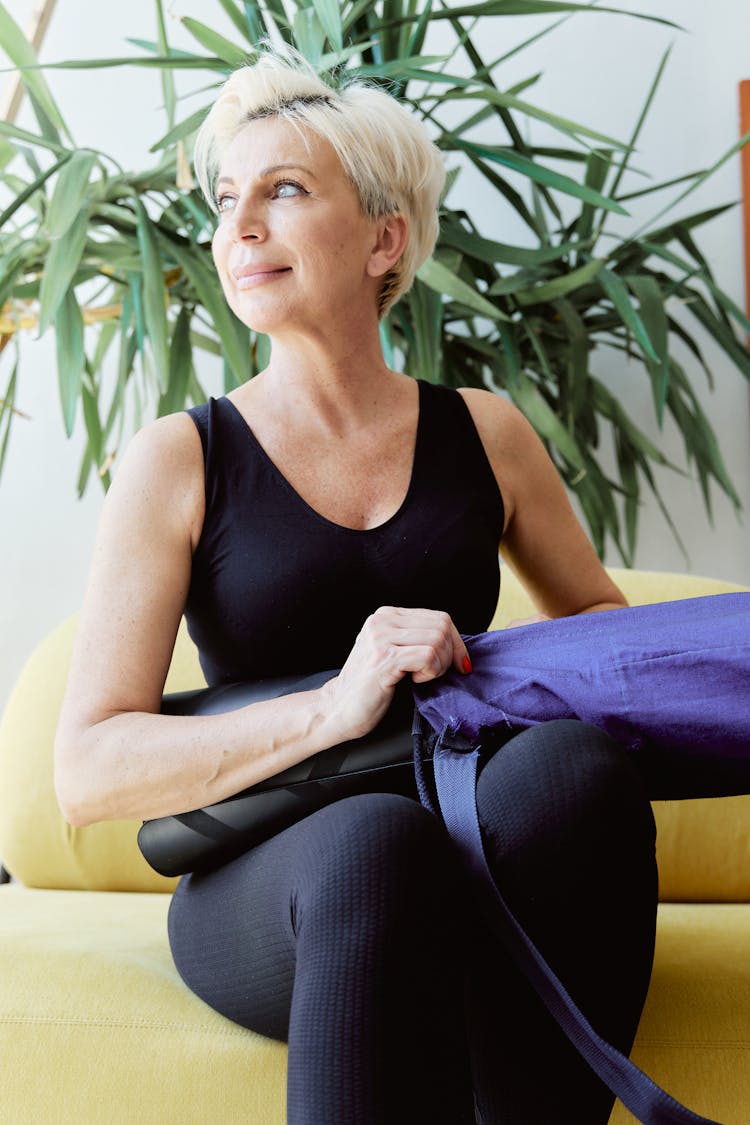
column 466, row 665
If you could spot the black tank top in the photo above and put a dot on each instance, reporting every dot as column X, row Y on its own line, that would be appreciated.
column 278, row 589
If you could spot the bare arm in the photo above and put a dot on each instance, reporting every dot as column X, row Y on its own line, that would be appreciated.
column 115, row 755
column 544, row 544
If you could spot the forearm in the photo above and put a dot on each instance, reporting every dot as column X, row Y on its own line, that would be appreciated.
column 137, row 765
column 129, row 763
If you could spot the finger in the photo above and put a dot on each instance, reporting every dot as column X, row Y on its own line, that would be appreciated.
column 414, row 628
column 425, row 628
column 421, row 662
column 447, row 640
column 461, row 659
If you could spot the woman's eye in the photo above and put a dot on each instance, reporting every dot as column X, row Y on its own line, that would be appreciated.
column 224, row 203
column 287, row 189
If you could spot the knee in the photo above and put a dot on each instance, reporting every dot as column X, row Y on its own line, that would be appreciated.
column 565, row 777
column 375, row 853
column 376, row 832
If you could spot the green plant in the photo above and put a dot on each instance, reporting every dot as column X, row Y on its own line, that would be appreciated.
column 119, row 261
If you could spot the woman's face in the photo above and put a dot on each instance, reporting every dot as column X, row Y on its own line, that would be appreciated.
column 292, row 247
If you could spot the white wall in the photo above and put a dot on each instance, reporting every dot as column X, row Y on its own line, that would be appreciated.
column 596, row 70
column 47, row 533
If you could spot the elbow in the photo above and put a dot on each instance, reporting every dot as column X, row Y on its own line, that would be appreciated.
column 69, row 802
column 72, row 788
column 72, row 814
column 602, row 607
column 613, row 598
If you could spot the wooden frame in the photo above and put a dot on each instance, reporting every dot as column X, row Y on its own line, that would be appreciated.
column 9, row 106
column 13, row 95
column 745, row 158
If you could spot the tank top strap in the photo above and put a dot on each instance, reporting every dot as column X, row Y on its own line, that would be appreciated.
column 449, row 438
column 199, row 414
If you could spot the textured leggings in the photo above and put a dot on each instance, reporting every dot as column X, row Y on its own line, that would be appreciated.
column 352, row 936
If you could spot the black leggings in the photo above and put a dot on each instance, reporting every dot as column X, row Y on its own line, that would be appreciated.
column 352, row 936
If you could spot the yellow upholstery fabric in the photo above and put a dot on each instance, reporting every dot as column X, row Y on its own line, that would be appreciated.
column 694, row 1036
column 96, row 1027
column 703, row 850
column 640, row 587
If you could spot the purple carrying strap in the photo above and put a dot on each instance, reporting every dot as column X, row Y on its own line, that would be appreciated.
column 455, row 781
column 672, row 674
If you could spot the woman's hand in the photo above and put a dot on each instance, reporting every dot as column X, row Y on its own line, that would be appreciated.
column 393, row 643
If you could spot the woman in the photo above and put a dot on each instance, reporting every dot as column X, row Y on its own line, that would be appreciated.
column 334, row 513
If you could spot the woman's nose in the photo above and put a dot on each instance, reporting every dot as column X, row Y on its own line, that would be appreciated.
column 247, row 220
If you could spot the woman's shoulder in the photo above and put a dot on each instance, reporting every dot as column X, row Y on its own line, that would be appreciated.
column 502, row 427
column 162, row 470
column 168, row 446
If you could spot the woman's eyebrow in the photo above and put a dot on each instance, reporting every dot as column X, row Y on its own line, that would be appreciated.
column 270, row 171
column 285, row 167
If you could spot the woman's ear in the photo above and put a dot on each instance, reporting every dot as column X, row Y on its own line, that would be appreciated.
column 391, row 232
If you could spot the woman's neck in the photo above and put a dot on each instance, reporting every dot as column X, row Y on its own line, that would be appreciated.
column 341, row 379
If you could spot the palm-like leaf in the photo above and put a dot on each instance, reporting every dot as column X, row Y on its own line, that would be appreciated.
column 122, row 260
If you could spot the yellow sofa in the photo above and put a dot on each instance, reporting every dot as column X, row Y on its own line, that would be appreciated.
column 96, row 1027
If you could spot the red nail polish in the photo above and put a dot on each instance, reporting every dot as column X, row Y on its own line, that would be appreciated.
column 466, row 664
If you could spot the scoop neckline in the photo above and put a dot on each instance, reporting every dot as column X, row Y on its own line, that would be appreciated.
column 300, row 500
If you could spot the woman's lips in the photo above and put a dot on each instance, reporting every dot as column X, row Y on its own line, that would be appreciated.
column 250, row 276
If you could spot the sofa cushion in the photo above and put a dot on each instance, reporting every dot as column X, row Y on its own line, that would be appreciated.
column 703, row 849
column 96, row 1025
column 694, row 1035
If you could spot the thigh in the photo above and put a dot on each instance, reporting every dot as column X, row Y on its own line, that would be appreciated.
column 349, row 876
column 233, row 925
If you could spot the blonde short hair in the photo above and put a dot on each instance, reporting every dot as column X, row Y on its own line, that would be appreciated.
column 384, row 150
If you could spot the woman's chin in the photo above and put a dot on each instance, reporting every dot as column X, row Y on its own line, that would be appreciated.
column 259, row 319
column 277, row 319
